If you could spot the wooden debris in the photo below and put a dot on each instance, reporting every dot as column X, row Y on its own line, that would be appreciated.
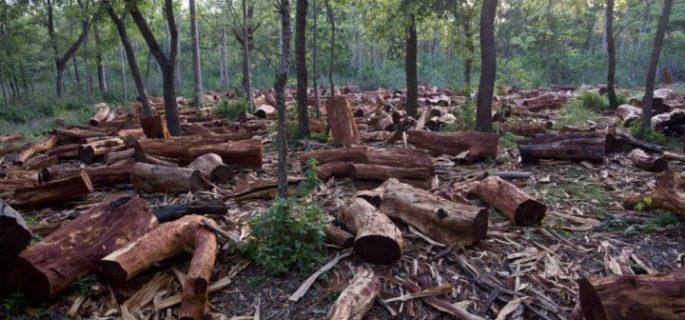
column 304, row 287
column 378, row 240
column 90, row 152
column 41, row 146
column 74, row 187
column 12, row 136
column 470, row 146
column 154, row 178
column 564, row 146
column 628, row 114
column 341, row 121
column 15, row 233
column 517, row 205
column 339, row 237
column 668, row 194
column 101, row 115
column 177, row 211
column 651, row 163
column 357, row 299
column 155, row 127
column 212, row 167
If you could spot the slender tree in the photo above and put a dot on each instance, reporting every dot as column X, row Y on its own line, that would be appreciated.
column 611, row 51
column 654, row 63
column 102, row 71
column 486, row 87
column 411, row 68
column 281, row 80
column 223, row 72
column 122, row 61
column 315, row 76
column 197, row 66
column 301, row 61
column 167, row 63
column 331, row 19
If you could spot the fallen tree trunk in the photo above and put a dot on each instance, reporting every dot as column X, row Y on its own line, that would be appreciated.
column 240, row 154
column 378, row 240
column 651, row 163
column 12, row 136
column 668, row 194
column 115, row 156
column 177, row 211
column 472, row 146
column 101, row 115
column 40, row 162
column 38, row 147
column 514, row 203
column 448, row 222
column 74, row 187
column 79, row 134
column 564, row 146
column 90, row 152
column 334, row 169
column 212, row 167
column 628, row 114
column 357, row 299
column 391, row 157
column 65, row 151
column 74, row 250
column 339, row 237
column 380, row 172
column 341, row 121
column 529, row 128
column 168, row 240
column 652, row 296
column 15, row 233
column 154, row 178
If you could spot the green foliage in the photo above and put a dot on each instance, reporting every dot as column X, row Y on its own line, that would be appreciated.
column 580, row 191
column 254, row 282
column 311, row 180
column 593, row 101
column 465, row 119
column 14, row 304
column 508, row 140
column 83, row 285
column 574, row 113
column 322, row 137
column 231, row 109
column 648, row 134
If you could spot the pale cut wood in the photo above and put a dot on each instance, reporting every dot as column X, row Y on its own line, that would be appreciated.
column 101, row 115
column 668, row 194
column 154, row 178
column 41, row 146
column 341, row 121
column 15, row 233
column 195, row 305
column 212, row 167
column 377, row 238
column 648, row 162
column 357, row 299
column 514, row 203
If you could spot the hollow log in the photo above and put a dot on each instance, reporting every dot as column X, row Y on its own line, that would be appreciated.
column 212, row 167
column 377, row 238
column 38, row 147
column 339, row 237
column 240, row 154
column 448, row 222
column 652, row 296
column 668, row 194
column 341, row 121
column 478, row 145
column 564, row 146
column 75, row 249
column 265, row 111
column 155, row 127
column 154, row 178
column 15, row 233
column 101, row 115
column 177, row 211
column 357, row 299
column 628, row 114
column 90, row 152
column 514, row 203
column 648, row 162
column 59, row 191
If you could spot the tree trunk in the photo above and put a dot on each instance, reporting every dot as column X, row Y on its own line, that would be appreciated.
column 589, row 146
column 41, row 146
column 75, row 187
column 122, row 63
column 301, row 61
column 411, row 68
column 102, row 72
column 315, row 75
column 224, row 59
column 478, row 145
column 488, row 65
column 653, row 65
column 357, row 299
column 611, row 51
column 16, row 234
column 153, row 178
column 517, row 205
column 77, row 76
column 239, row 154
column 341, row 121
column 61, row 60
column 377, row 238
column 651, row 163
column 331, row 66
column 213, row 168
column 247, row 78
column 197, row 66
column 470, row 53
column 281, row 81
column 5, row 99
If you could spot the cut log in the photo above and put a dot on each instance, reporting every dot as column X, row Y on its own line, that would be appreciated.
column 213, row 168
column 357, row 299
column 617, row 138
column 448, row 222
column 15, row 233
column 668, row 194
column 239, row 154
column 341, row 121
column 65, row 151
column 265, row 111
column 115, row 156
column 12, row 136
column 59, row 191
column 195, row 298
column 564, row 146
column 38, row 147
column 254, row 189
column 105, row 176
column 41, row 162
column 77, row 134
column 177, row 211
column 653, row 296
column 380, row 172
column 514, row 203
column 154, row 178
column 179, row 148
column 101, row 115
column 529, row 128
column 392, row 157
column 476, row 145
column 651, row 163
column 628, row 114
column 90, row 152
column 155, row 127
column 674, row 156
column 669, row 122
column 74, row 250
column 339, row 237
column 378, row 240
column 334, row 169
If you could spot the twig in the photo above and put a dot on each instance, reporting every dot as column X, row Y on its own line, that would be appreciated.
column 304, row 287
column 219, row 231
column 430, row 292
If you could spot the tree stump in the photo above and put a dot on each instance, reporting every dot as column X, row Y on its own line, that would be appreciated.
column 154, row 127
column 341, row 121
column 378, row 240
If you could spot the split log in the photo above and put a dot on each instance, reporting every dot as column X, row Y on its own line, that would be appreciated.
column 668, row 194
column 564, row 146
column 154, row 178
column 341, row 121
column 448, row 222
column 240, row 154
column 213, row 168
column 75, row 187
column 475, row 145
column 38, row 147
column 377, row 239
column 101, row 115
column 74, row 250
column 652, row 296
column 177, row 211
column 15, row 233
column 517, row 205
column 166, row 241
column 651, row 163
column 155, row 127
column 90, row 152
column 339, row 237
column 357, row 299
column 628, row 114
column 12, row 136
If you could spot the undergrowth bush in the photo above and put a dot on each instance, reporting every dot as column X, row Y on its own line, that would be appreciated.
column 290, row 233
column 592, row 100
column 648, row 134
column 465, row 119
column 231, row 109
column 574, row 113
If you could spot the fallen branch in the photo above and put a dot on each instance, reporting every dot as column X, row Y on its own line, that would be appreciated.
column 304, row 287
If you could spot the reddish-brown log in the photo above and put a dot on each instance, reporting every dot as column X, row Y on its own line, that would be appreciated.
column 12, row 136
column 588, row 146
column 668, row 194
column 155, row 127
column 341, row 121
column 38, row 147
column 357, row 299
column 105, row 176
column 41, row 162
column 517, row 205
column 195, row 297
column 377, row 239
column 76, row 133
column 392, row 157
column 154, row 178
column 334, row 169
column 15, row 233
column 239, row 154
column 339, row 237
column 648, row 162
column 173, row 148
column 90, row 152
column 380, row 172
column 115, row 156
column 475, row 145
column 628, row 114
column 65, row 151
column 101, row 115
column 59, row 191
column 212, row 167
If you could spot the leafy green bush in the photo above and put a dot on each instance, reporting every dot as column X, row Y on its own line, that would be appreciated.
column 465, row 119
column 574, row 113
column 592, row 100
column 231, row 109
column 648, row 134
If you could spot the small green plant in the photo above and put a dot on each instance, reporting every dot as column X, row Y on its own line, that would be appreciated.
column 254, row 282
column 83, row 285
column 648, row 134
column 508, row 140
column 465, row 119
column 322, row 137
column 13, row 304
column 231, row 109
column 574, row 114
column 594, row 101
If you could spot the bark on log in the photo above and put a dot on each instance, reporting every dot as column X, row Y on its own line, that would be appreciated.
column 90, row 152
column 674, row 156
column 40, row 162
column 357, row 299
column 529, row 128
column 448, row 222
column 74, row 187
column 564, row 146
column 65, row 151
column 195, row 297
column 628, row 114
column 377, row 238
column 101, row 115
column 648, row 162
column 12, row 136
column 334, row 169
column 380, row 172
column 76, row 134
column 177, row 211
column 668, row 194
column 115, row 156
column 339, row 237
column 105, row 176
column 15, row 233
column 479, row 145
column 341, row 121
column 155, row 127
column 392, row 157
column 240, row 154
column 653, row 296
column 74, row 250
column 213, row 168
column 517, row 205
column 153, row 178
column 38, row 147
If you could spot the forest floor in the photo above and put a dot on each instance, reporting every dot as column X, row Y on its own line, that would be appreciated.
column 531, row 270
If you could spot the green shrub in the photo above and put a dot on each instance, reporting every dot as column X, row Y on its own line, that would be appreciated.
column 13, row 304
column 648, row 134
column 231, row 109
column 465, row 119
column 592, row 100
column 574, row 113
